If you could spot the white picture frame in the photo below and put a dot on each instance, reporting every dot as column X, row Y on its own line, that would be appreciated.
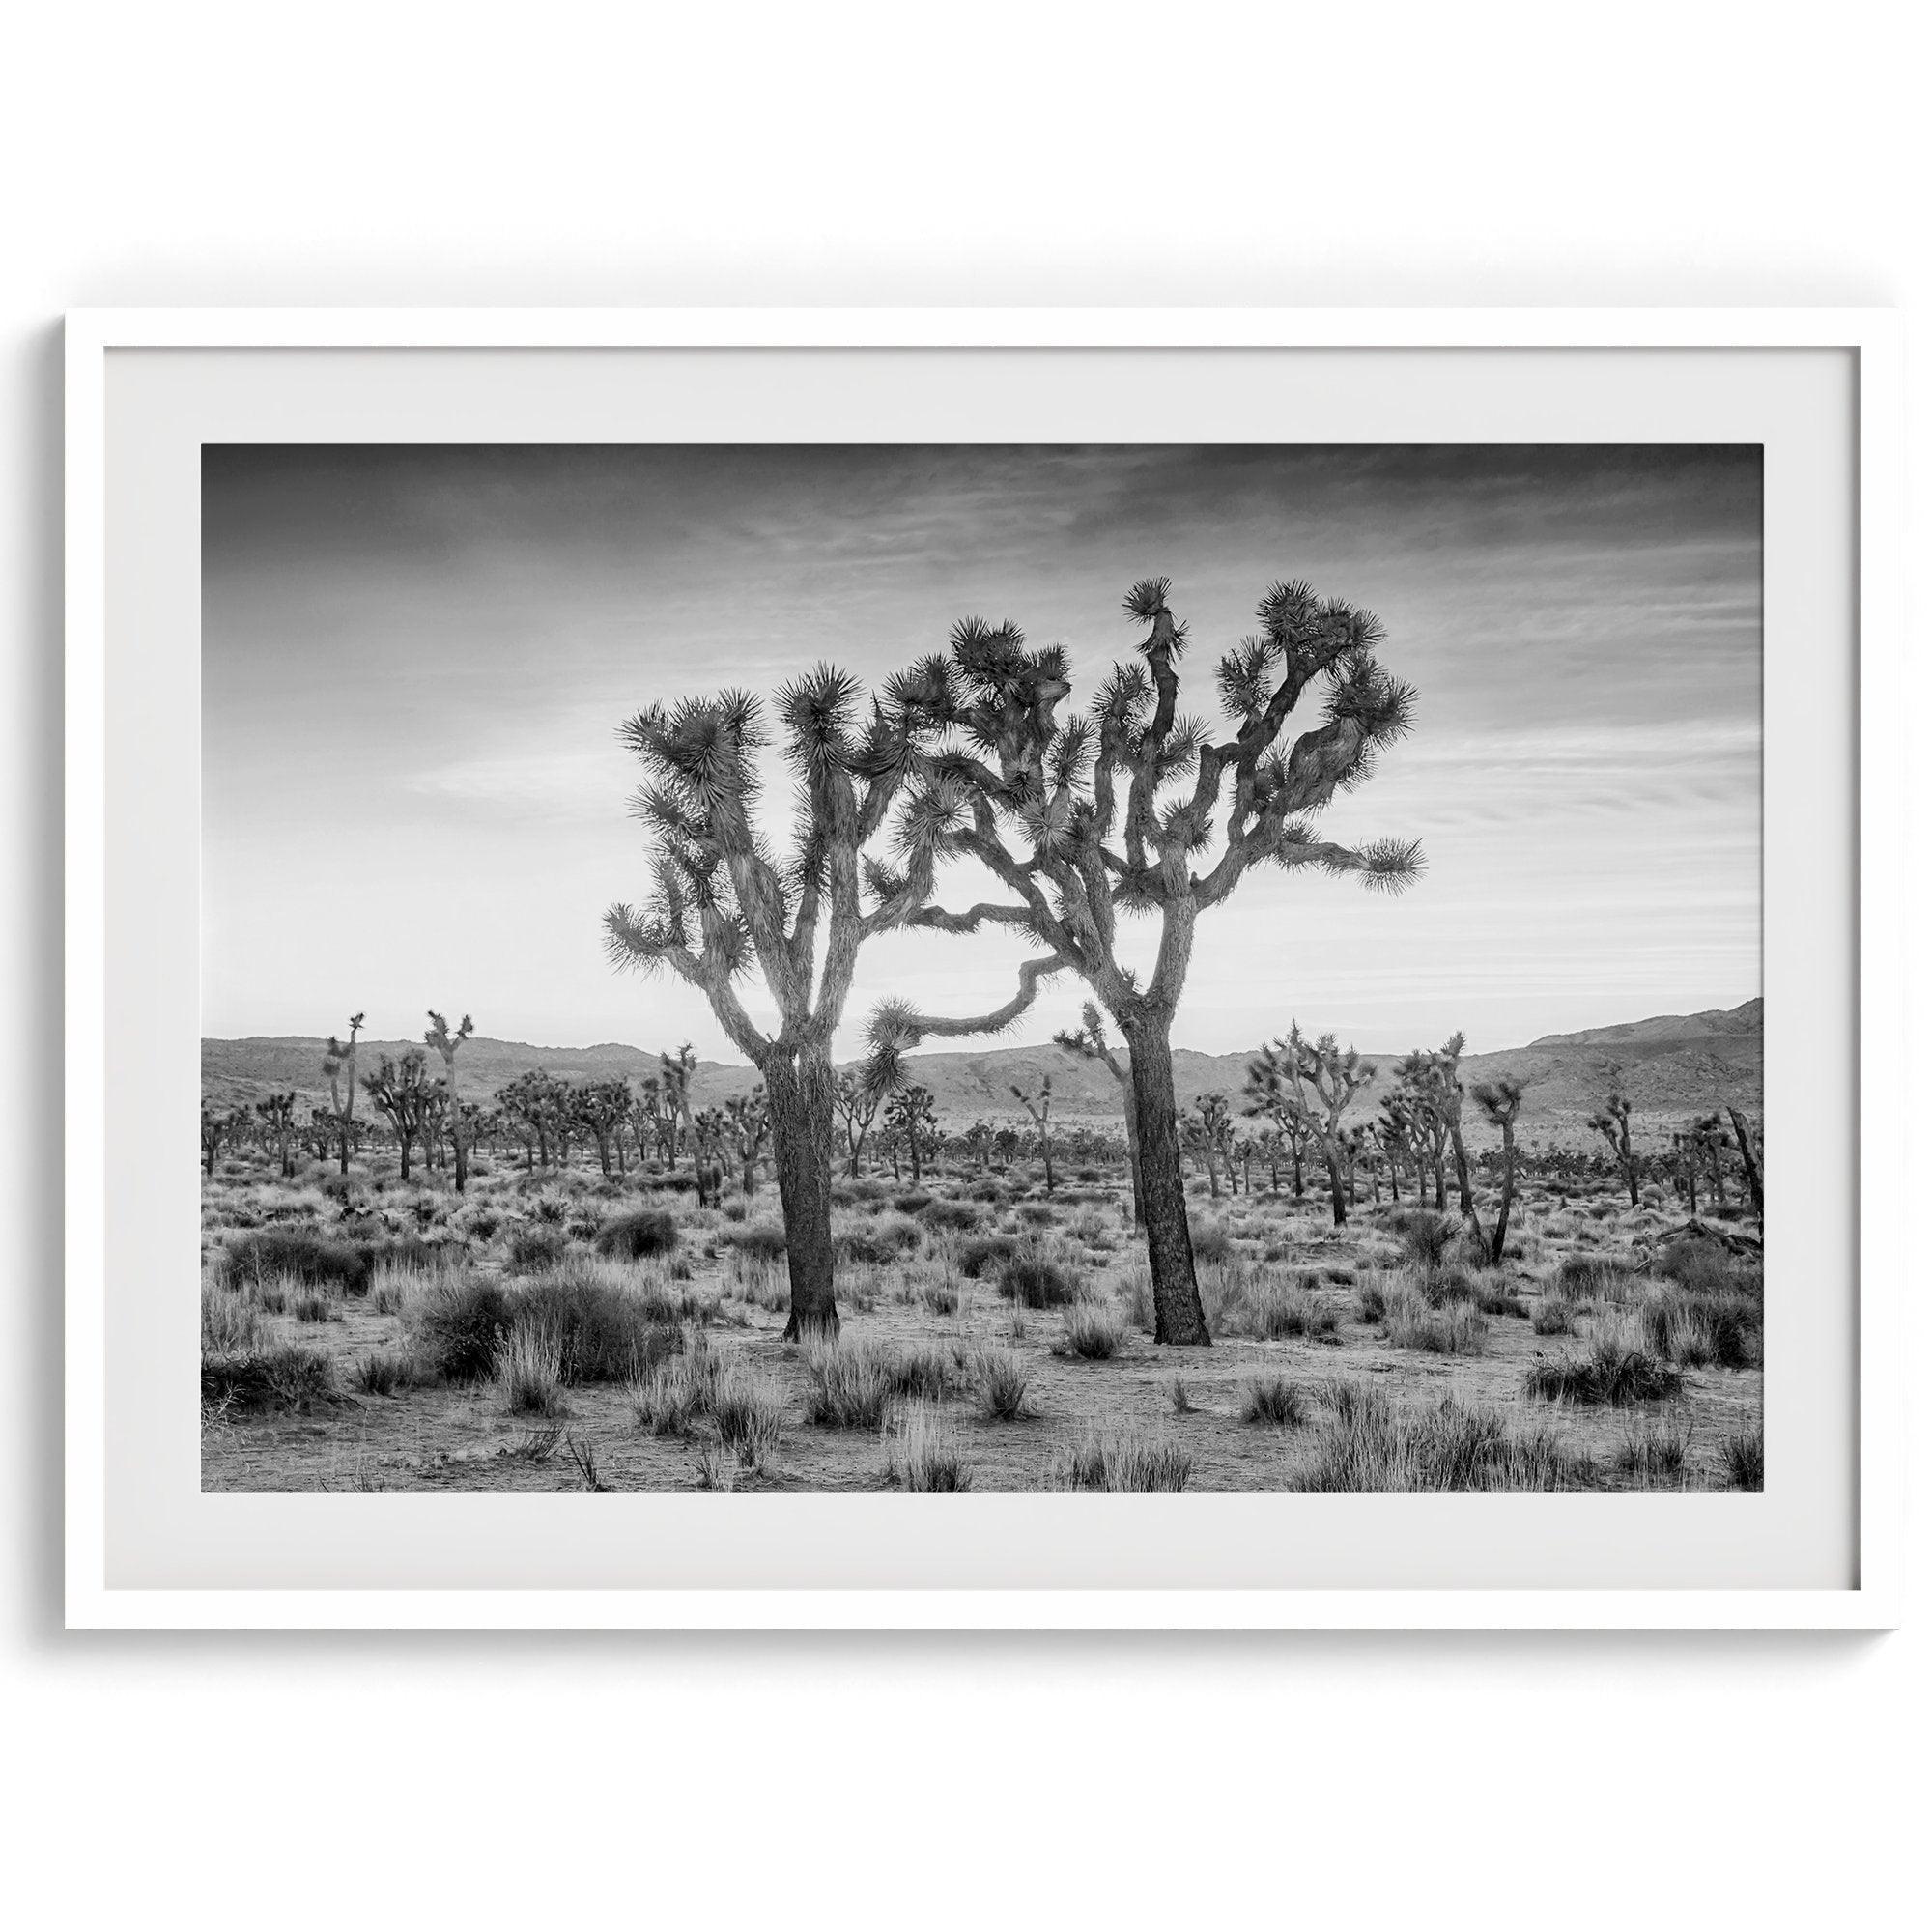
column 1871, row 1594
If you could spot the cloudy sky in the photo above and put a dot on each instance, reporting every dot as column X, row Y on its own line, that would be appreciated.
column 415, row 662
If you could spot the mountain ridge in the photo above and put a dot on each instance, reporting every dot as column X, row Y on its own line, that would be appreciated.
column 1668, row 1065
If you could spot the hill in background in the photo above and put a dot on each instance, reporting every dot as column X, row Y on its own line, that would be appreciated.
column 1669, row 1066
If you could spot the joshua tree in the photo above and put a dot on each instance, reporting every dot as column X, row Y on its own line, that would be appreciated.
column 277, row 1114
column 1095, row 835
column 913, row 1124
column 1747, row 1155
column 215, row 1127
column 399, row 1090
column 1216, row 1127
column 445, row 1043
column 857, row 1097
column 1711, row 1140
column 721, row 906
column 978, row 1138
column 674, row 1076
column 339, row 1061
column 1311, row 1083
column 1088, row 1041
column 538, row 1106
column 1684, row 1153
column 1039, row 1110
column 603, row 1107
column 1500, row 1101
column 748, row 1127
column 1614, row 1125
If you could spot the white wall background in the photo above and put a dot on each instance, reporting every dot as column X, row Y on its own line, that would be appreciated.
column 396, row 153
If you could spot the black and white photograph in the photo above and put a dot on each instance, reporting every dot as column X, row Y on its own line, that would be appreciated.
column 931, row 969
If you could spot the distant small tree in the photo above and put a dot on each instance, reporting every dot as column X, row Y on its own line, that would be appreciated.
column 399, row 1090
column 748, row 1127
column 1089, row 1041
column 1500, row 1101
column 1269, row 1095
column 1039, row 1110
column 604, row 1107
column 978, row 1139
column 1747, row 1156
column 338, row 1065
column 1314, row 1082
column 277, row 1114
column 1710, row 1141
column 1614, row 1125
column 1216, row 1129
column 914, row 1124
column 446, row 1043
column 858, row 1100
column 220, row 1126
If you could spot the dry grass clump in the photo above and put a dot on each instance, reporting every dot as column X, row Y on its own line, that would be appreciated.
column 924, row 1454
column 1553, row 1316
column 1618, row 1372
column 230, row 1323
column 762, row 1240
column 1376, row 1446
column 1595, row 1278
column 673, row 1395
column 529, row 1370
column 982, row 1255
column 1273, row 1400
column 880, row 1237
column 1743, row 1458
column 1212, row 1242
column 1723, row 1330
column 1240, row 1299
column 1089, row 1333
column 532, row 1249
column 748, row 1408
column 851, row 1385
column 1126, row 1461
column 953, row 1216
column 1032, row 1281
column 284, row 1376
column 383, row 1372
column 605, row 1332
column 1411, row 1323
column 1003, row 1379
column 1654, row 1451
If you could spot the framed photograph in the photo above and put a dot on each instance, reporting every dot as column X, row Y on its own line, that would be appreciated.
column 983, row 968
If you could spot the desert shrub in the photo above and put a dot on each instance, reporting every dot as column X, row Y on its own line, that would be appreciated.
column 529, row 1363
column 312, row 1304
column 1743, row 1458
column 960, row 1216
column 285, row 1377
column 1273, row 1400
column 604, row 1333
column 300, row 1256
column 1371, row 1300
column 455, row 1327
column 634, row 1236
column 680, row 1181
column 1553, row 1317
column 1425, row 1236
column 1698, row 1263
column 765, row 1239
column 1038, row 1213
column 1442, row 1286
column 408, row 1251
column 924, row 1454
column 1495, row 1300
column 534, row 1249
column 912, row 1201
column 922, row 1374
column 858, row 1189
column 884, row 1238
column 1089, row 1335
column 1212, row 1241
column 675, row 1392
column 750, row 1412
column 941, row 1298
column 1654, row 1451
column 230, row 1325
column 480, row 1223
column 383, row 1372
column 1617, row 1371
column 1129, row 1462
column 1003, row 1379
column 1595, row 1278
column 1375, row 1446
column 1032, row 1281
column 986, row 1254
column 1178, row 1397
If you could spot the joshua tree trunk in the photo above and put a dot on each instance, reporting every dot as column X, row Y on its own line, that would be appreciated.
column 1337, row 1201
column 1464, row 1197
column 1178, row 1316
column 801, row 1090
column 1754, row 1180
column 1509, row 1193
